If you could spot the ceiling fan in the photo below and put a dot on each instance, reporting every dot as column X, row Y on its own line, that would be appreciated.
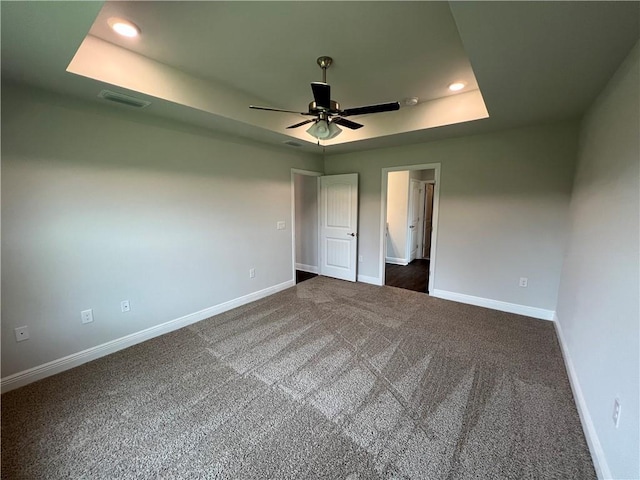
column 326, row 112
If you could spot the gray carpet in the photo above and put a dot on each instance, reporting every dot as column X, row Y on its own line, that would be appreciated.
column 327, row 379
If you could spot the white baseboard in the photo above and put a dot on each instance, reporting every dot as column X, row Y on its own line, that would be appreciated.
column 595, row 448
column 306, row 268
column 534, row 312
column 31, row 375
column 370, row 280
column 396, row 261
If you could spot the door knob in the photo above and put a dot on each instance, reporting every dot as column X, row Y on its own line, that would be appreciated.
column 411, row 226
column 351, row 234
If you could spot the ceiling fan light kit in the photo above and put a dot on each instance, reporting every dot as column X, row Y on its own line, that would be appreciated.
column 327, row 112
column 323, row 130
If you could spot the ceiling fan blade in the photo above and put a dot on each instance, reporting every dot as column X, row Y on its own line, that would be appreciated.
column 347, row 123
column 379, row 108
column 255, row 107
column 301, row 123
column 321, row 94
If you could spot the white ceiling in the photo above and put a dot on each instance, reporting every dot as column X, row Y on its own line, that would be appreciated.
column 533, row 61
column 269, row 49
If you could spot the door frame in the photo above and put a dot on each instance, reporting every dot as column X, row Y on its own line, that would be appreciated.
column 383, row 217
column 309, row 173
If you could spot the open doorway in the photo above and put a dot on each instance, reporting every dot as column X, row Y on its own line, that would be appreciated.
column 324, row 218
column 409, row 222
column 304, row 224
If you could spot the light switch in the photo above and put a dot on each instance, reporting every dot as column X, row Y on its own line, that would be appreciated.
column 280, row 225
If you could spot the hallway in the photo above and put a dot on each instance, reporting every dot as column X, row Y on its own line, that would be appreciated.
column 414, row 276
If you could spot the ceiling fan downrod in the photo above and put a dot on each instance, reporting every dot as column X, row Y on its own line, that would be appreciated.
column 324, row 62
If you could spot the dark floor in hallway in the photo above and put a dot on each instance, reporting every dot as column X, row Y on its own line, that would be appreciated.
column 302, row 276
column 414, row 276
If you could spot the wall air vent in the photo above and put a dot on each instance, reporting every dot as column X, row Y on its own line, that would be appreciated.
column 292, row 144
column 123, row 99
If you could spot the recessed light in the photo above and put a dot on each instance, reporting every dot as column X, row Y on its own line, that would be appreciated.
column 454, row 87
column 123, row 27
column 411, row 101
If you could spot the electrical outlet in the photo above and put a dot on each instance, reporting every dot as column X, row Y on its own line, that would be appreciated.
column 280, row 225
column 252, row 273
column 616, row 412
column 22, row 333
column 86, row 316
column 361, row 259
column 124, row 306
column 524, row 282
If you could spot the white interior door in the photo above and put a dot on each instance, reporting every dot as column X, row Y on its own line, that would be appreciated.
column 414, row 218
column 338, row 226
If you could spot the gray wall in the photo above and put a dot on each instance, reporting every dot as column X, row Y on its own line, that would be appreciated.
column 306, row 209
column 504, row 203
column 100, row 205
column 599, row 293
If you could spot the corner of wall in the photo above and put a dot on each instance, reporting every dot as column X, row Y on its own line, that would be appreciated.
column 593, row 442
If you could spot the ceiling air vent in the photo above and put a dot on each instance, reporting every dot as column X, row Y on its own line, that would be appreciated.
column 123, row 99
column 292, row 144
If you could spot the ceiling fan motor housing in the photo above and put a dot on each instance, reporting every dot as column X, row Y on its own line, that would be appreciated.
column 314, row 108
